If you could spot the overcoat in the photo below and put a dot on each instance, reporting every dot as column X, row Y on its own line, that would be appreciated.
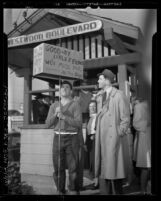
column 142, row 143
column 111, row 147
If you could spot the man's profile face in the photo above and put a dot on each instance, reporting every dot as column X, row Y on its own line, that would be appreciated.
column 103, row 82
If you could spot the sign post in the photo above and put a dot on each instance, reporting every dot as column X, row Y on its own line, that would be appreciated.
column 55, row 63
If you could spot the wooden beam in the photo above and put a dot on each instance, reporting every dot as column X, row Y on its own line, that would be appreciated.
column 135, row 48
column 78, row 87
column 122, row 73
column 21, row 72
column 27, row 97
column 114, row 41
column 130, row 58
column 16, row 58
column 131, row 69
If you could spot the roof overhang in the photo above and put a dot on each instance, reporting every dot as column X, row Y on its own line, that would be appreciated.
column 45, row 19
column 73, row 16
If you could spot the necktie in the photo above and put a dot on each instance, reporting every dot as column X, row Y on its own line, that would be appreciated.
column 103, row 98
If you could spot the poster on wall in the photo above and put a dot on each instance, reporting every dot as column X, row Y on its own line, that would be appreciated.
column 53, row 62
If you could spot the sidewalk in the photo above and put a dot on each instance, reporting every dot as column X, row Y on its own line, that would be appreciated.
column 133, row 189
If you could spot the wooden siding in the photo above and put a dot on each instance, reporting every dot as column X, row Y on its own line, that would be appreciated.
column 36, row 151
column 87, row 48
column 92, row 46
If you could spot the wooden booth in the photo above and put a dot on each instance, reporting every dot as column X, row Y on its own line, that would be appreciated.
column 104, row 43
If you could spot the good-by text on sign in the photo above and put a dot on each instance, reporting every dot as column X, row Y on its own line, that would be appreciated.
column 57, row 61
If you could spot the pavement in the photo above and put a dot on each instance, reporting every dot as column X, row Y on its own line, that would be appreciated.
column 128, row 189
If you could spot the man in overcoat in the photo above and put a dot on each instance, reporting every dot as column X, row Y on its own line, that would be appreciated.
column 111, row 146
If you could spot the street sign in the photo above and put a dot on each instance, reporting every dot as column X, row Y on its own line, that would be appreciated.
column 53, row 61
column 51, row 34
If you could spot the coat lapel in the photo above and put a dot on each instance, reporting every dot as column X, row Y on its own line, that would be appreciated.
column 113, row 91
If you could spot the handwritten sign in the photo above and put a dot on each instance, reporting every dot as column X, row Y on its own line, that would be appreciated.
column 57, row 61
column 51, row 34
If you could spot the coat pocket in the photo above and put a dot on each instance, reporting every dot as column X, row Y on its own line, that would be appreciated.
column 119, row 131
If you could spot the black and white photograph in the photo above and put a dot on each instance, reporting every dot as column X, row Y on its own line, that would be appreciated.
column 80, row 116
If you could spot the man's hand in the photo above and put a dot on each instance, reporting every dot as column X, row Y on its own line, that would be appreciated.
column 59, row 114
column 57, row 110
column 92, row 137
column 76, row 98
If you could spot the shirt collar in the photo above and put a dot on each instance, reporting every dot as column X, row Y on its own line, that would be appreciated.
column 108, row 90
column 93, row 115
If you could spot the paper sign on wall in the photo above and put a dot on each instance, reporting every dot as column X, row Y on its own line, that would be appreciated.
column 50, row 60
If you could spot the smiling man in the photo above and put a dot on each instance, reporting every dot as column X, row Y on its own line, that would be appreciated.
column 67, row 120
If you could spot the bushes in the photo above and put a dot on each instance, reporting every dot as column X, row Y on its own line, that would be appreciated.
column 15, row 186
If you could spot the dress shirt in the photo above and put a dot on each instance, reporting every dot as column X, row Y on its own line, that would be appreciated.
column 108, row 91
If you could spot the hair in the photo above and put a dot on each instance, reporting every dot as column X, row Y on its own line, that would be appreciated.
column 110, row 79
column 66, row 82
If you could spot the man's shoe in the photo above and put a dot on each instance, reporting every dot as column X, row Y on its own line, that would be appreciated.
column 61, row 192
column 82, row 188
column 91, row 187
column 73, row 193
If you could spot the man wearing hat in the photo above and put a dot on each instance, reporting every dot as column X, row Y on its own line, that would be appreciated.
column 40, row 108
column 66, row 119
column 111, row 141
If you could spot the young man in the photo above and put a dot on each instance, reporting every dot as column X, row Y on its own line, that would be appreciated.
column 111, row 142
column 67, row 120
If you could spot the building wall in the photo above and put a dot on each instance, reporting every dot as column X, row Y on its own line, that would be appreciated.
column 36, row 159
column 15, row 90
column 36, row 151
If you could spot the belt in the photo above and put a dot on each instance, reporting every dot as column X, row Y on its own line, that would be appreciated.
column 65, row 133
